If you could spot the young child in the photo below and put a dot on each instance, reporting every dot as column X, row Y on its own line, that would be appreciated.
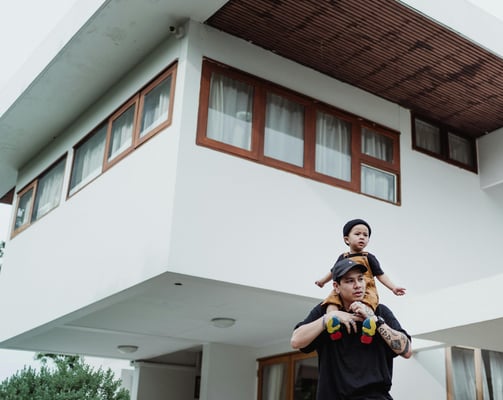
column 356, row 234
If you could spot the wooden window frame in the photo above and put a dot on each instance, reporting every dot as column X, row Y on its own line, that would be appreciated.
column 138, row 102
column 133, row 102
column 444, row 154
column 289, row 359
column 311, row 106
column 75, row 149
column 478, row 368
column 170, row 71
column 33, row 185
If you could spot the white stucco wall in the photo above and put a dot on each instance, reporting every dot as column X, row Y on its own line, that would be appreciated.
column 249, row 221
column 228, row 372
column 421, row 377
column 112, row 234
column 163, row 383
column 490, row 160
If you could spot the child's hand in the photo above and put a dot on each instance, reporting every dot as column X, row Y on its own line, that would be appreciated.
column 399, row 291
column 319, row 283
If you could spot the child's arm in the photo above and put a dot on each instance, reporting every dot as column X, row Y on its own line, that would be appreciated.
column 386, row 281
column 326, row 278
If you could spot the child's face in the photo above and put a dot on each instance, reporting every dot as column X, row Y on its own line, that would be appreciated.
column 358, row 238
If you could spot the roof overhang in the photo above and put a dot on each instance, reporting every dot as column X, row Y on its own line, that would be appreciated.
column 116, row 38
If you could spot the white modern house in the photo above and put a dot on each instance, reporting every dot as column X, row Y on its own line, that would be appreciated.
column 180, row 172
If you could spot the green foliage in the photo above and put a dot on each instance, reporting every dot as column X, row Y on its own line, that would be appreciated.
column 68, row 379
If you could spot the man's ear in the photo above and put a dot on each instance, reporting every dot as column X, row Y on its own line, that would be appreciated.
column 336, row 287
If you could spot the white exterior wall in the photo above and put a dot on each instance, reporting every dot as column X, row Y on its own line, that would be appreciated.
column 112, row 234
column 421, row 377
column 228, row 372
column 490, row 160
column 163, row 383
column 232, row 207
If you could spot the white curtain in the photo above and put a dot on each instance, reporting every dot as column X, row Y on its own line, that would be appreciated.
column 376, row 145
column 49, row 191
column 459, row 149
column 122, row 133
column 493, row 375
column 427, row 136
column 155, row 106
column 88, row 161
column 284, row 130
column 463, row 367
column 333, row 147
column 23, row 209
column 230, row 112
column 273, row 383
column 378, row 183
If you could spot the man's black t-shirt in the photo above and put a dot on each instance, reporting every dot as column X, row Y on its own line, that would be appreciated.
column 349, row 369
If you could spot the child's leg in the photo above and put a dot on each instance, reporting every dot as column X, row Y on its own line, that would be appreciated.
column 332, row 307
column 333, row 324
column 368, row 327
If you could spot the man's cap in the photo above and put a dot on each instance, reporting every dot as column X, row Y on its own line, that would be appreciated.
column 346, row 264
column 350, row 224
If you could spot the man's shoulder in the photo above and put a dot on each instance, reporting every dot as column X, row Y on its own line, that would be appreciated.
column 383, row 309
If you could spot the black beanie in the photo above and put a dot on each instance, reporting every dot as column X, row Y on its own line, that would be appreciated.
column 349, row 225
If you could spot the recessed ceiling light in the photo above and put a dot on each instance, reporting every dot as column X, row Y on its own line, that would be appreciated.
column 127, row 348
column 223, row 322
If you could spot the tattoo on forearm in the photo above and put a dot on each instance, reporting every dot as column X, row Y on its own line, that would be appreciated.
column 397, row 341
column 406, row 349
column 395, row 345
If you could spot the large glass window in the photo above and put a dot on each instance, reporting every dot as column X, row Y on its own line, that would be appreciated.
column 492, row 374
column 249, row 117
column 291, row 376
column 427, row 136
column 156, row 106
column 24, row 206
column 333, row 146
column 439, row 141
column 88, row 159
column 121, row 136
column 378, row 183
column 40, row 196
column 284, row 130
column 474, row 374
column 230, row 111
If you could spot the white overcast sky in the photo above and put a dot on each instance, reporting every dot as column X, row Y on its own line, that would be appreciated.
column 24, row 24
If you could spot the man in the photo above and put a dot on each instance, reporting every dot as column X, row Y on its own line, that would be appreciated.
column 358, row 363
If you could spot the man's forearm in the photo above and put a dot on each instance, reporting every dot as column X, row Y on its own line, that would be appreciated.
column 305, row 334
column 397, row 341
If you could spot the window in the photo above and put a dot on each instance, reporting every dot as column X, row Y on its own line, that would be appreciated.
column 88, row 159
column 292, row 376
column 474, row 374
column 439, row 141
column 248, row 117
column 40, row 196
column 137, row 120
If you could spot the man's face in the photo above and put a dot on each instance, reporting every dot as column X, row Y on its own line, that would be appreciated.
column 352, row 286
